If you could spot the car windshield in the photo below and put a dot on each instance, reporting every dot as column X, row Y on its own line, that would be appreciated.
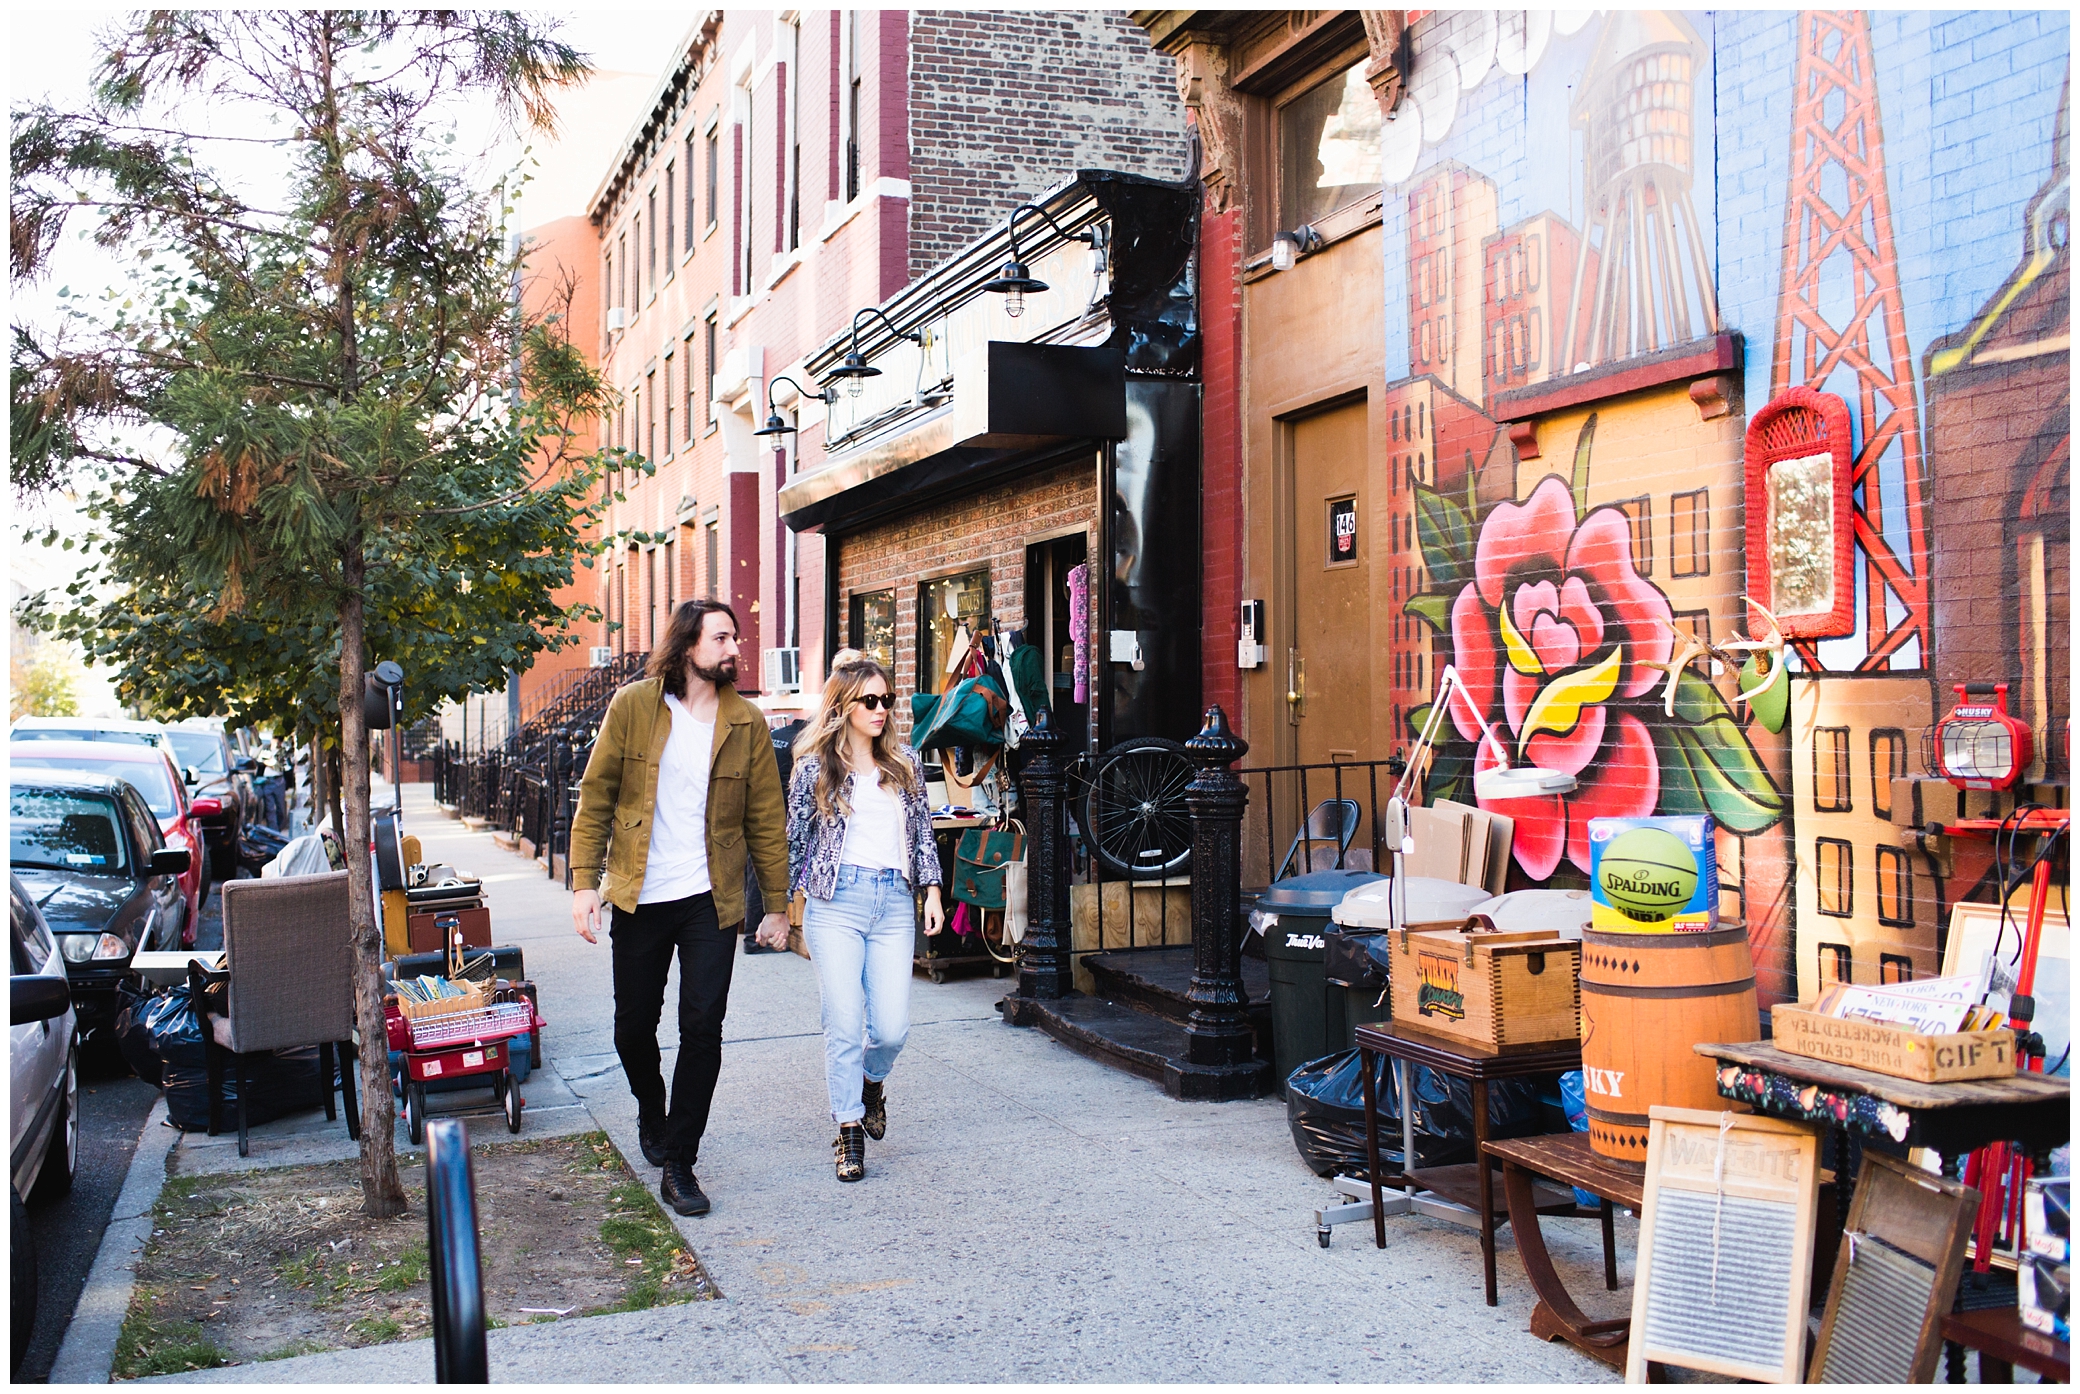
column 198, row 750
column 81, row 733
column 150, row 777
column 64, row 830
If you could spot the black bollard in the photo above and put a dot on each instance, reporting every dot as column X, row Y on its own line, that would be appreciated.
column 1044, row 970
column 1220, row 1048
column 459, row 1354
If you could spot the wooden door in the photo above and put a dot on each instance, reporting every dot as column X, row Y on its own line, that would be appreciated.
column 1328, row 661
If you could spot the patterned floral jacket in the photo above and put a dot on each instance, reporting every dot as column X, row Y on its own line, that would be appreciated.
column 816, row 845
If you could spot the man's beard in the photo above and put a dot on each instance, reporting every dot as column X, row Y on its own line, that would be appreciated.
column 723, row 674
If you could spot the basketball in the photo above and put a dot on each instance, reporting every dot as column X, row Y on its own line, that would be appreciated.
column 1647, row 874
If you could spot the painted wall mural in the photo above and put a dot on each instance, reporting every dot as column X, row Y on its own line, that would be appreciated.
column 1885, row 219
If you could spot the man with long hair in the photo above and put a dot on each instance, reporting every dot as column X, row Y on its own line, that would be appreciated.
column 682, row 785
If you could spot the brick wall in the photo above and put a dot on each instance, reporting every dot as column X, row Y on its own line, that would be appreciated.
column 990, row 528
column 1004, row 105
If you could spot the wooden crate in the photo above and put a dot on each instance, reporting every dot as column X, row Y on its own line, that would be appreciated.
column 1503, row 991
column 1892, row 1050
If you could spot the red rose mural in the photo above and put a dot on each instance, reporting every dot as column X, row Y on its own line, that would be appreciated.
column 1553, row 636
column 1559, row 640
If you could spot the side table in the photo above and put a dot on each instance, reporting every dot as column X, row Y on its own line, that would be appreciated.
column 1569, row 1159
column 1466, row 1061
column 2003, row 1342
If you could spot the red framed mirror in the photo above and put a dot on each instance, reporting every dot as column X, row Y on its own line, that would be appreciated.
column 1800, row 523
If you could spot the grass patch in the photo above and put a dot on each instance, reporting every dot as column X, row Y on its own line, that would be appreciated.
column 292, row 1350
column 152, row 1347
column 407, row 1270
column 375, row 1330
column 637, row 1231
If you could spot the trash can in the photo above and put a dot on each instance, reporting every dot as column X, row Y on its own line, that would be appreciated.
column 1356, row 956
column 1307, row 1014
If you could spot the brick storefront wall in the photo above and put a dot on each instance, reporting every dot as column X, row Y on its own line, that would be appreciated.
column 990, row 528
column 1006, row 104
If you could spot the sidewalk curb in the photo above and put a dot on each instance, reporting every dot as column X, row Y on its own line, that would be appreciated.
column 88, row 1353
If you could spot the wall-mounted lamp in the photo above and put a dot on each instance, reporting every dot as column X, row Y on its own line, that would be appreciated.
column 855, row 369
column 776, row 425
column 1014, row 281
column 1288, row 247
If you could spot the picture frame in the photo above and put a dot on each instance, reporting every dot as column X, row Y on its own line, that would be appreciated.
column 1977, row 928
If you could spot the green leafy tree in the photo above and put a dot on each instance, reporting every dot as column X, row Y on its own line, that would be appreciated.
column 356, row 442
column 41, row 685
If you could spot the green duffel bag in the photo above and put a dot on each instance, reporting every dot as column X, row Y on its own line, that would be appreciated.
column 972, row 714
column 979, row 860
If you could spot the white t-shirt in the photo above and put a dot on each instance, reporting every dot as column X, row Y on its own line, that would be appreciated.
column 678, row 862
column 874, row 834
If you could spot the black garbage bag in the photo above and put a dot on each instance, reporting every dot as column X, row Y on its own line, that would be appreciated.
column 278, row 1082
column 1325, row 1108
column 133, row 1037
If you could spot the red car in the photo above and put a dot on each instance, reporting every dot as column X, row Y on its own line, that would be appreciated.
column 150, row 770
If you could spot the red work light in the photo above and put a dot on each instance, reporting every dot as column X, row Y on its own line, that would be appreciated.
column 1980, row 746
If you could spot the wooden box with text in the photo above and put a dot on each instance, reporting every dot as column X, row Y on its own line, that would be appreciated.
column 1892, row 1050
column 1505, row 991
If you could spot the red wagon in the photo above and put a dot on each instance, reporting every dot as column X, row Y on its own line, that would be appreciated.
column 474, row 1041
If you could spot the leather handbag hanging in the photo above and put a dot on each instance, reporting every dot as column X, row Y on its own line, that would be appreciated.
column 980, row 860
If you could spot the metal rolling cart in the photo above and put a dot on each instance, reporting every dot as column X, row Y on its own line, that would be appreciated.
column 466, row 1035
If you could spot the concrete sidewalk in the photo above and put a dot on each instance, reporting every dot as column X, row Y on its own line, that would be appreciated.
column 1032, row 1215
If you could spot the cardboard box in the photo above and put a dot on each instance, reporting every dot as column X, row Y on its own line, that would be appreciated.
column 2047, row 1217
column 1645, row 870
column 1892, row 1050
column 2043, row 1292
column 1502, row 991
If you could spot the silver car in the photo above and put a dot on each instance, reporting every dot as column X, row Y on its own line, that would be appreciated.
column 43, row 1075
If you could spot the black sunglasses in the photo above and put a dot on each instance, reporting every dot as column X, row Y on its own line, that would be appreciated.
column 886, row 701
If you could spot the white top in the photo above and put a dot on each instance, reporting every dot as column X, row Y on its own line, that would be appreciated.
column 874, row 833
column 678, row 862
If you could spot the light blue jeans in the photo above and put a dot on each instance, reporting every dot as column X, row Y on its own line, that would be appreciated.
column 862, row 941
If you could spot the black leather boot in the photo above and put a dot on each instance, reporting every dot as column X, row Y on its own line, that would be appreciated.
column 681, row 1190
column 850, row 1151
column 876, row 1120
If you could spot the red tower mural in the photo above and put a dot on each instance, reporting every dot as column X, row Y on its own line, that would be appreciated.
column 1841, row 327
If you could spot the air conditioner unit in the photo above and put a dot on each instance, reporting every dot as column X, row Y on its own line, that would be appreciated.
column 783, row 670
column 602, row 655
column 617, row 319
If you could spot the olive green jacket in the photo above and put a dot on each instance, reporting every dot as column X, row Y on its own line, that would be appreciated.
column 746, row 807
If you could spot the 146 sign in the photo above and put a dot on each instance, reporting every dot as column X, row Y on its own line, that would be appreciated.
column 1343, row 531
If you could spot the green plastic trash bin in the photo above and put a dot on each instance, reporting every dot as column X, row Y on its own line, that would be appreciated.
column 1307, row 1013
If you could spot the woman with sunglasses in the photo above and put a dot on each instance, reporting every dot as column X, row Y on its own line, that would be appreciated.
column 859, row 838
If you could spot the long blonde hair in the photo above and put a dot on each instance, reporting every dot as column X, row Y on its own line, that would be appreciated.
column 825, row 735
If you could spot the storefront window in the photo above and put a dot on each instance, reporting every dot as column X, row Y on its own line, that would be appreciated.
column 873, row 630
column 941, row 606
column 1329, row 148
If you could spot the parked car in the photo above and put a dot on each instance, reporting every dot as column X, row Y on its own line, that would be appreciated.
column 90, row 854
column 87, row 728
column 43, row 1079
column 151, row 772
column 221, row 783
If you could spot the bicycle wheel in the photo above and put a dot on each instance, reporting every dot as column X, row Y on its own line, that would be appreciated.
column 1135, row 821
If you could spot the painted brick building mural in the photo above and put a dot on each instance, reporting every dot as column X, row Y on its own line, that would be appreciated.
column 1611, row 239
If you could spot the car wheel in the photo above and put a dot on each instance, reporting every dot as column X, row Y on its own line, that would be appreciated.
column 61, row 1160
column 24, row 1297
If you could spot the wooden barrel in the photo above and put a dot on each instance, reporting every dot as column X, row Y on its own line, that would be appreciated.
column 1646, row 1000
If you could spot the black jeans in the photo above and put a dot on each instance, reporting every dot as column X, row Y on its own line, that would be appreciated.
column 643, row 944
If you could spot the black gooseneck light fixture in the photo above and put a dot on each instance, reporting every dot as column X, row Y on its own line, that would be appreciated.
column 776, row 425
column 855, row 370
column 1014, row 280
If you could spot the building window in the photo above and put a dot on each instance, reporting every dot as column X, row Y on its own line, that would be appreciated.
column 635, row 272
column 1837, row 964
column 1895, row 887
column 1329, row 148
column 610, row 281
column 1639, row 518
column 873, row 626
column 1831, row 769
column 649, row 420
column 689, row 373
column 792, row 194
column 853, row 83
column 686, row 162
column 671, row 580
column 714, row 177
column 656, row 595
column 621, row 290
column 670, row 173
column 1834, row 872
column 617, row 608
column 941, row 606
column 1895, row 968
column 714, row 531
column 667, row 399
column 1888, row 762
column 650, row 249
column 708, row 385
column 747, row 211
column 1689, row 533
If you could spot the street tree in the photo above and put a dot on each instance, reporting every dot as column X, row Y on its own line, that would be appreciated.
column 320, row 419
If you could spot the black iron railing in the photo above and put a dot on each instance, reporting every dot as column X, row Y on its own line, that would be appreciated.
column 1284, row 799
